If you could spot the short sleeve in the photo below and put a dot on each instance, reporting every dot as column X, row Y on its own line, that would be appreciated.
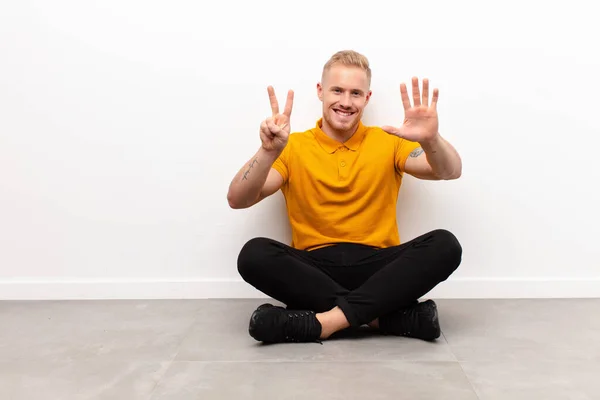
column 281, row 163
column 405, row 147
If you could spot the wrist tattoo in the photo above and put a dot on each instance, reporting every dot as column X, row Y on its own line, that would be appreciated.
column 255, row 161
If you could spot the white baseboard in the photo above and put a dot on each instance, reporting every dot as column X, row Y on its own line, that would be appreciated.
column 463, row 288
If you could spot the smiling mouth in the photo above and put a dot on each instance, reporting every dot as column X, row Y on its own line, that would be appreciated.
column 343, row 113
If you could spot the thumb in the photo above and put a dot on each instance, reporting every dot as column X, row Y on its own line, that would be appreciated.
column 392, row 130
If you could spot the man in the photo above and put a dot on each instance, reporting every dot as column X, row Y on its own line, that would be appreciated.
column 346, row 266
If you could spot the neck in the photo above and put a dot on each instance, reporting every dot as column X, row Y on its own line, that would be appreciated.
column 335, row 134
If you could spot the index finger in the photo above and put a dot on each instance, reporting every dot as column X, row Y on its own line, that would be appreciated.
column 273, row 100
column 287, row 111
column 404, row 95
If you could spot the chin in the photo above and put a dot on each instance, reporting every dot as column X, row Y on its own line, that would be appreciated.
column 344, row 126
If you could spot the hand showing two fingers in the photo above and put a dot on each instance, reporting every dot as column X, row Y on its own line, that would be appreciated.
column 274, row 131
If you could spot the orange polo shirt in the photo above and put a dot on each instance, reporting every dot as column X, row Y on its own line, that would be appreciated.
column 343, row 192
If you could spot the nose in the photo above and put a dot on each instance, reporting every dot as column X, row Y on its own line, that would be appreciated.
column 345, row 100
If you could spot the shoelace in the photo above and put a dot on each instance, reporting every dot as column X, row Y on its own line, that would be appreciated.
column 409, row 320
column 300, row 326
column 405, row 322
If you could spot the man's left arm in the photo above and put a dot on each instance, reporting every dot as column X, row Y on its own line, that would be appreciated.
column 435, row 159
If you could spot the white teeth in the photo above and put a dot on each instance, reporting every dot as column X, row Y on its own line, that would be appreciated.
column 347, row 114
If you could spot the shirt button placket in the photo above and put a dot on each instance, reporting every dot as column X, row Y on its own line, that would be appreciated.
column 342, row 166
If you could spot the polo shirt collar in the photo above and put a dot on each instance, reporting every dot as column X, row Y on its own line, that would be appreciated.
column 331, row 145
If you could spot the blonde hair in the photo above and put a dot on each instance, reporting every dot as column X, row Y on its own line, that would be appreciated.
column 349, row 58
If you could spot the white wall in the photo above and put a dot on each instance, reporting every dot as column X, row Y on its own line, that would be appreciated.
column 123, row 122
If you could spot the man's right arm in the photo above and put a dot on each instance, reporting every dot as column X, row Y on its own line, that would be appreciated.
column 255, row 181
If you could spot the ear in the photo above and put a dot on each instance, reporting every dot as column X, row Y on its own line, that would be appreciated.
column 369, row 96
column 320, row 91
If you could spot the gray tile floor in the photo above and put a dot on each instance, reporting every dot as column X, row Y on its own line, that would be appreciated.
column 200, row 349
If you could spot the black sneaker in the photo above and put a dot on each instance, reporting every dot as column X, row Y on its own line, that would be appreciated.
column 419, row 321
column 271, row 324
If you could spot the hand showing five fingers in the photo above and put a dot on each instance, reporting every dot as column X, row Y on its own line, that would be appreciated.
column 421, row 119
column 274, row 131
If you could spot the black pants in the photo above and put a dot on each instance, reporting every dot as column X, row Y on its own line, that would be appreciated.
column 365, row 282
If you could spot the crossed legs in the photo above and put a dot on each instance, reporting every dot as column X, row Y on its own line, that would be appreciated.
column 349, row 285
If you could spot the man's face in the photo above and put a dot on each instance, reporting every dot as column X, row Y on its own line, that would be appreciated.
column 345, row 94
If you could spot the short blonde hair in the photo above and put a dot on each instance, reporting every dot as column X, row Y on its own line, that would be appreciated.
column 349, row 58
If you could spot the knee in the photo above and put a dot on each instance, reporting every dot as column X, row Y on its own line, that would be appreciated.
column 251, row 257
column 448, row 247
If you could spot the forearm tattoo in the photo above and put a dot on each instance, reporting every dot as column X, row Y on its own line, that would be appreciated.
column 245, row 177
